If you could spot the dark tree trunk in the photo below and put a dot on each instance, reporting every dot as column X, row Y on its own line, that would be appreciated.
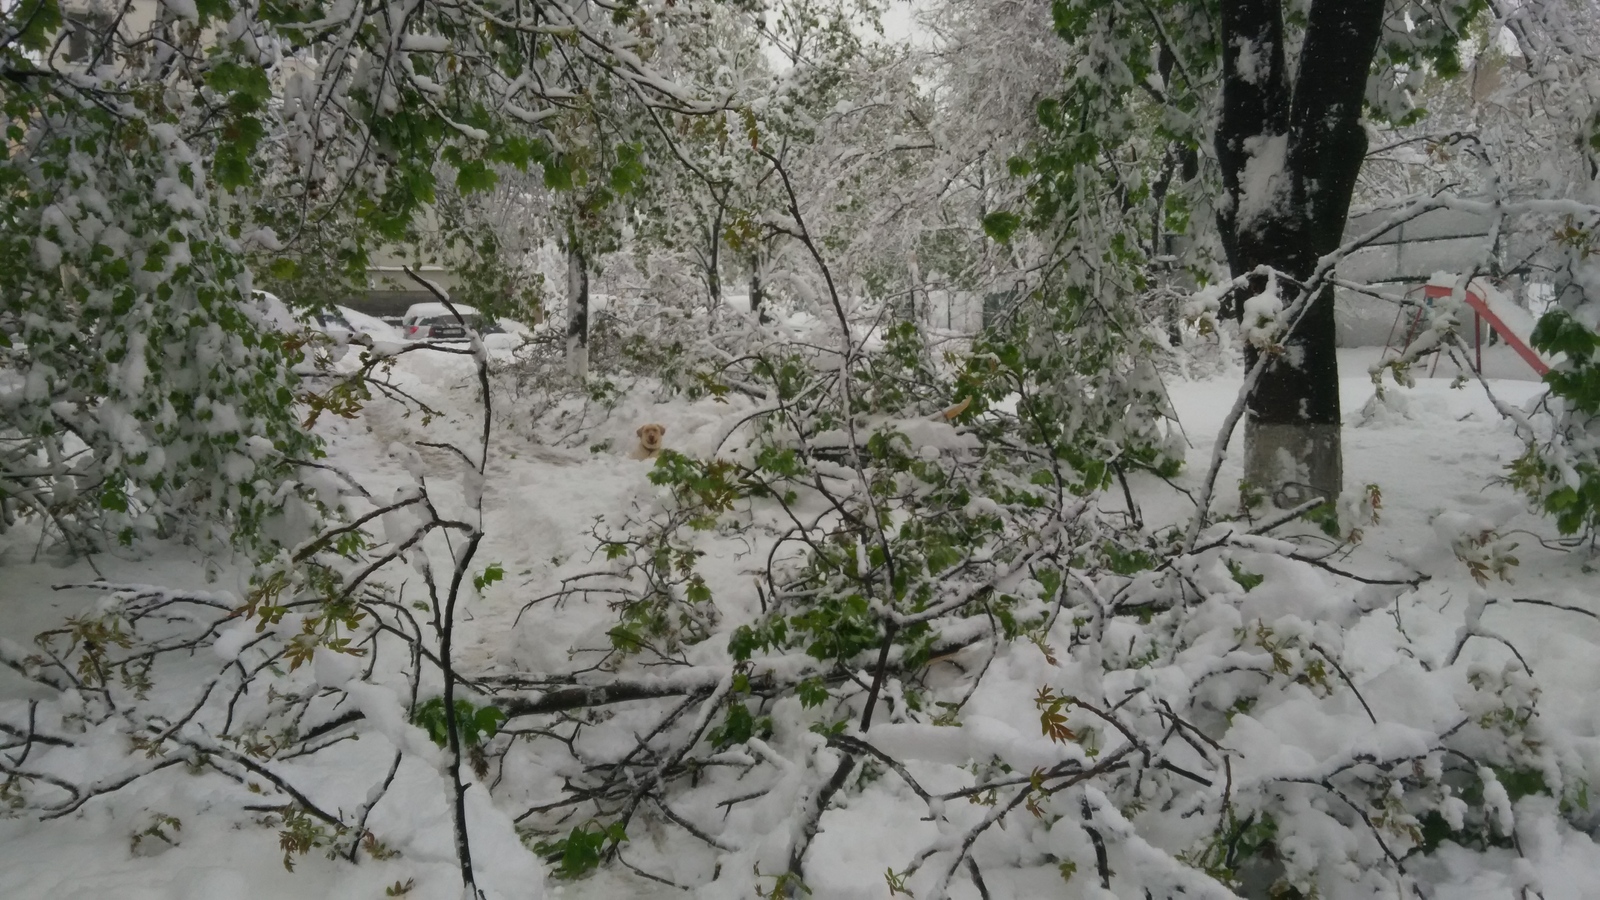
column 577, row 308
column 756, row 298
column 1290, row 219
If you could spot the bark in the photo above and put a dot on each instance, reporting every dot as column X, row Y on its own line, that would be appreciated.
column 714, row 259
column 1292, row 424
column 577, row 309
column 916, row 305
column 756, row 297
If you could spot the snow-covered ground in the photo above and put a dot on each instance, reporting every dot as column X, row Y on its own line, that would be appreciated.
column 1436, row 451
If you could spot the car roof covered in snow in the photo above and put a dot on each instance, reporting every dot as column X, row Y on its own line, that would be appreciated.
column 429, row 310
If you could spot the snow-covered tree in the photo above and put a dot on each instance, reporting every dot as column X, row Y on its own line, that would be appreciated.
column 1240, row 120
column 292, row 138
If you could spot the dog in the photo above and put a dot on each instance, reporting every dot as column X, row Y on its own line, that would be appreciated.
column 649, row 441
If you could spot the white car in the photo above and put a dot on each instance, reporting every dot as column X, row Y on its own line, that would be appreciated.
column 435, row 322
column 338, row 325
column 361, row 323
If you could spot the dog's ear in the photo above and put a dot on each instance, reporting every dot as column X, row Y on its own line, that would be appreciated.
column 640, row 432
column 662, row 429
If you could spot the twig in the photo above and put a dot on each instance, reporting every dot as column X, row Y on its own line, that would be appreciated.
column 1340, row 669
column 813, row 815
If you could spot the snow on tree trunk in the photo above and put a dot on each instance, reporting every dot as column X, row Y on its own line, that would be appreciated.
column 577, row 310
column 714, row 260
column 1290, row 151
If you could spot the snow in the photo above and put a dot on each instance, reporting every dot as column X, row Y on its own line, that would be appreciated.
column 370, row 325
column 1250, row 65
column 1264, row 185
column 1436, row 459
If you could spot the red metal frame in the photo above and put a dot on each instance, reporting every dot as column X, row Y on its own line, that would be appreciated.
column 1481, row 311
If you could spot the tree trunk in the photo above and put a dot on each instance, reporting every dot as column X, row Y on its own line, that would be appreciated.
column 756, row 298
column 1290, row 154
column 714, row 267
column 577, row 309
column 916, row 311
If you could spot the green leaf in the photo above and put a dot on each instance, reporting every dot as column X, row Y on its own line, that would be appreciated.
column 1247, row 580
column 488, row 720
column 1326, row 517
column 474, row 175
column 211, row 9
column 474, row 725
column 1559, row 332
column 43, row 18
column 113, row 498
column 580, row 851
column 696, row 590
column 1521, row 783
column 488, row 576
column 812, row 692
column 629, row 173
column 249, row 82
column 1000, row 226
column 558, row 173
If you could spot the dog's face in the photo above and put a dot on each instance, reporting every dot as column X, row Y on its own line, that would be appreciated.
column 650, row 436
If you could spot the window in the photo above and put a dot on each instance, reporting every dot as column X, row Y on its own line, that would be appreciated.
column 88, row 29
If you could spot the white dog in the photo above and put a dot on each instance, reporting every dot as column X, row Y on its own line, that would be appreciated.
column 649, row 441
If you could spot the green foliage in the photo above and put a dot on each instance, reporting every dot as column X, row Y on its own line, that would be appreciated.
column 709, row 488
column 581, row 851
column 37, row 21
column 1235, row 843
column 474, row 724
column 139, row 204
column 149, row 353
column 1250, row 496
column 1558, row 332
column 675, row 608
column 1127, row 561
column 301, row 834
column 812, row 692
column 488, row 576
column 157, row 830
column 1560, row 472
column 1479, row 828
column 786, row 885
column 1325, row 517
column 1000, row 226
column 739, row 726
column 1247, row 580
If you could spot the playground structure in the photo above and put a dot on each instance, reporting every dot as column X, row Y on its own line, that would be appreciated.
column 1490, row 307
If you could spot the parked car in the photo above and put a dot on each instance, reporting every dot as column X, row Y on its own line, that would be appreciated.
column 361, row 323
column 435, row 322
column 333, row 323
column 272, row 313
